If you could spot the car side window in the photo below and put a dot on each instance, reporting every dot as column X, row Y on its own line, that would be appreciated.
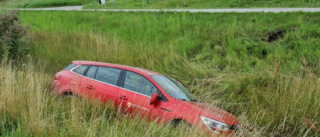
column 139, row 83
column 71, row 66
column 92, row 71
column 108, row 75
column 81, row 69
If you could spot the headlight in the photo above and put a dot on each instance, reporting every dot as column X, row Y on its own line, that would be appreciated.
column 214, row 124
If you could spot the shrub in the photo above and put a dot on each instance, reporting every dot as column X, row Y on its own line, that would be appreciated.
column 12, row 35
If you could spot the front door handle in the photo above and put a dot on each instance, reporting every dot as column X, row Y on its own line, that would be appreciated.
column 123, row 97
column 90, row 87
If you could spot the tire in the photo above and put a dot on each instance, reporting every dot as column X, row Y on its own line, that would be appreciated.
column 179, row 123
column 68, row 94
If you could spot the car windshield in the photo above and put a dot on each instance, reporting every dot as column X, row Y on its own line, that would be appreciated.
column 174, row 88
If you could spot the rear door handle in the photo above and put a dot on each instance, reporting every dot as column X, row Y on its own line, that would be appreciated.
column 90, row 87
column 123, row 97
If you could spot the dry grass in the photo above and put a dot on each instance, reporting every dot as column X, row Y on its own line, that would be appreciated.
column 27, row 108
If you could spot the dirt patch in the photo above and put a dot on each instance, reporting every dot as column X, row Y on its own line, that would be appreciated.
column 274, row 36
column 264, row 53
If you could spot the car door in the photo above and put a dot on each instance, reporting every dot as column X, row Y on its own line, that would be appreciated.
column 77, row 77
column 106, row 88
column 88, row 82
column 135, row 93
column 163, row 111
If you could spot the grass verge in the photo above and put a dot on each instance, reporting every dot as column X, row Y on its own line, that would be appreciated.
column 260, row 67
column 42, row 3
column 162, row 4
column 202, row 4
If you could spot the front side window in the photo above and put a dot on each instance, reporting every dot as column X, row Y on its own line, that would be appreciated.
column 108, row 75
column 174, row 88
column 80, row 70
column 139, row 83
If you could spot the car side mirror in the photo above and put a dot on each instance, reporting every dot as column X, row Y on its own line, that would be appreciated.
column 154, row 98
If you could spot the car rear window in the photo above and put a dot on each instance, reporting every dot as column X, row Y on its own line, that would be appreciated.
column 108, row 75
column 71, row 66
column 81, row 69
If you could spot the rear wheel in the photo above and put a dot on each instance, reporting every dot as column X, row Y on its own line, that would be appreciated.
column 68, row 94
column 69, row 97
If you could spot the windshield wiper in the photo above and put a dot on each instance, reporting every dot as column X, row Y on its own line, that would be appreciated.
column 194, row 100
column 182, row 99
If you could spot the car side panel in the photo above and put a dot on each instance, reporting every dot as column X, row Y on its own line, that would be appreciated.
column 105, row 92
column 124, row 100
column 88, row 87
column 163, row 112
column 69, row 81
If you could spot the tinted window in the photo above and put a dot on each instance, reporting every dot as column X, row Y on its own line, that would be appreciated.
column 80, row 70
column 108, row 75
column 92, row 71
column 71, row 66
column 138, row 83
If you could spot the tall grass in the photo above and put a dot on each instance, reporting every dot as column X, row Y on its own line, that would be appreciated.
column 27, row 109
column 224, row 59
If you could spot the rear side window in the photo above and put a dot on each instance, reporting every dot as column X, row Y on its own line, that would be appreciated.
column 92, row 71
column 108, row 75
column 71, row 66
column 138, row 83
column 80, row 70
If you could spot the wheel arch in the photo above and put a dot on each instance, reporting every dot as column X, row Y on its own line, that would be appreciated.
column 176, row 121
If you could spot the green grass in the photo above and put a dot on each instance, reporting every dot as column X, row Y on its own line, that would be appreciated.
column 225, row 59
column 163, row 4
column 42, row 3
column 205, row 4
column 228, row 42
column 49, row 3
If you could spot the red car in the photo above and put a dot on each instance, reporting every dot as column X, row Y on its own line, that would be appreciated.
column 138, row 90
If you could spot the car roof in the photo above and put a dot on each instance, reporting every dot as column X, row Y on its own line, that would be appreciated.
column 148, row 72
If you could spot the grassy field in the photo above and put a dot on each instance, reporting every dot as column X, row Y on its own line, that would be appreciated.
column 262, row 67
column 41, row 3
column 203, row 4
column 162, row 4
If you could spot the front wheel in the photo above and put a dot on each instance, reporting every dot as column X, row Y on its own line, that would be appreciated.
column 179, row 123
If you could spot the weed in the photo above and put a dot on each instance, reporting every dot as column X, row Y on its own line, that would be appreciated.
column 12, row 35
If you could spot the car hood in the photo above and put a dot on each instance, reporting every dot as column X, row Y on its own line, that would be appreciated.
column 212, row 112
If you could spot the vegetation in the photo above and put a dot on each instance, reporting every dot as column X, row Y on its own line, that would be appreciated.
column 204, row 4
column 12, row 34
column 261, row 67
column 27, row 109
column 42, row 3
column 163, row 4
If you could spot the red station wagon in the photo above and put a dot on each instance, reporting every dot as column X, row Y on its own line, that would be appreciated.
column 138, row 90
